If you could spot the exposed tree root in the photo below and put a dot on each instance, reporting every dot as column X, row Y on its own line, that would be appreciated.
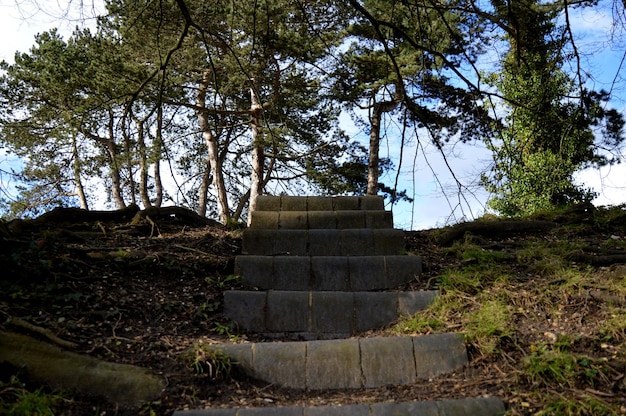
column 122, row 384
column 492, row 229
column 20, row 323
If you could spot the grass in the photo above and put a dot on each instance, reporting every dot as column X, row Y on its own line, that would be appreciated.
column 206, row 359
column 583, row 406
column 559, row 326
column 432, row 320
column 555, row 364
column 488, row 325
column 17, row 400
column 614, row 325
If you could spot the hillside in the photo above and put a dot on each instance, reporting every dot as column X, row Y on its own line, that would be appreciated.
column 542, row 302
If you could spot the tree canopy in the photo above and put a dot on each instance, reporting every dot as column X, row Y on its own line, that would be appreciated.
column 208, row 104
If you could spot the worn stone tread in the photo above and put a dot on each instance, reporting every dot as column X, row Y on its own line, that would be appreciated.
column 320, row 203
column 364, row 362
column 347, row 273
column 305, row 220
column 481, row 406
column 323, row 242
column 316, row 314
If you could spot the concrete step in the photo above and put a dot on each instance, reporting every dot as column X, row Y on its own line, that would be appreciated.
column 308, row 220
column 324, row 242
column 482, row 406
column 350, row 363
column 320, row 315
column 355, row 273
column 319, row 203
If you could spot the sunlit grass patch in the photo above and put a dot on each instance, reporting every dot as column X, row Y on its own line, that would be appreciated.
column 484, row 323
column 613, row 243
column 482, row 256
column 615, row 280
column 546, row 366
column 434, row 319
column 471, row 253
column 608, row 217
column 486, row 326
column 461, row 281
column 573, row 281
column 541, row 259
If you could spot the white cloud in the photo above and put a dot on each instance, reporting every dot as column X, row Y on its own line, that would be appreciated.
column 21, row 20
column 609, row 182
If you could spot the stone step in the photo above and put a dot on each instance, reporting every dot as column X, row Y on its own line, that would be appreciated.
column 329, row 242
column 481, row 406
column 355, row 273
column 309, row 220
column 320, row 315
column 350, row 363
column 319, row 203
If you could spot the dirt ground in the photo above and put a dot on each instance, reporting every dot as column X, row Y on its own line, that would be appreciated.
column 143, row 292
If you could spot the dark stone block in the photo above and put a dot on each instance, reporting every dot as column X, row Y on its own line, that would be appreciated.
column 439, row 354
column 293, row 203
column 333, row 365
column 255, row 271
column 293, row 220
column 258, row 242
column 402, row 269
column 332, row 312
column 329, row 273
column 246, row 308
column 292, row 272
column 374, row 310
column 290, row 243
column 287, row 311
column 325, row 243
column 367, row 273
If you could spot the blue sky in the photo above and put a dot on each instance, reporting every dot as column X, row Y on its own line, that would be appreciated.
column 425, row 176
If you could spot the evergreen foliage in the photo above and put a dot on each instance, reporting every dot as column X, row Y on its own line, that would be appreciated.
column 206, row 103
column 551, row 129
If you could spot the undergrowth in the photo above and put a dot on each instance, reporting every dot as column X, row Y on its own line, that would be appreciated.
column 524, row 302
column 17, row 400
column 206, row 359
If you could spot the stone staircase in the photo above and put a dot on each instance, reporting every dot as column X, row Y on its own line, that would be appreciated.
column 317, row 271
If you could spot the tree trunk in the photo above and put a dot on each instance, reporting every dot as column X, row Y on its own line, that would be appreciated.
column 213, row 161
column 158, row 146
column 374, row 158
column 378, row 109
column 203, row 191
column 158, row 185
column 143, row 164
column 116, row 183
column 80, row 190
column 129, row 164
column 258, row 157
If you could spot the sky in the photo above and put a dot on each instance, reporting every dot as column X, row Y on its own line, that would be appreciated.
column 441, row 197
